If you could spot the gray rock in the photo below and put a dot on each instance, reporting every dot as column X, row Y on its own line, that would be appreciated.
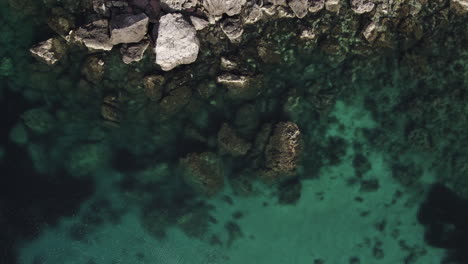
column 252, row 14
column 128, row 28
column 134, row 52
column 333, row 5
column 228, row 65
column 216, row 8
column 362, row 6
column 199, row 23
column 49, row 51
column 99, row 6
column 316, row 5
column 299, row 7
column 95, row 36
column 177, row 5
column 232, row 27
column 177, row 42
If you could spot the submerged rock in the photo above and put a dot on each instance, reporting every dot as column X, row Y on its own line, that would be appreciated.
column 93, row 69
column 128, row 28
column 134, row 52
column 230, row 142
column 38, row 120
column 50, row 51
column 203, row 172
column 177, row 42
column 94, row 36
column 154, row 87
column 282, row 152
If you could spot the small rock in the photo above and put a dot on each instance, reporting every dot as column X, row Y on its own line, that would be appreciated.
column 61, row 22
column 199, row 23
column 93, row 69
column 299, row 7
column 216, row 8
column 177, row 42
column 316, row 5
column 204, row 172
column 177, row 5
column 460, row 7
column 362, row 6
column 49, row 51
column 99, row 6
column 284, row 12
column 228, row 65
column 333, row 5
column 95, row 36
column 230, row 142
column 128, row 28
column 232, row 27
column 371, row 32
column 134, row 52
column 232, row 81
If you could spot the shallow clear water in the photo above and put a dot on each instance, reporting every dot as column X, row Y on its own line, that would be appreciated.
column 378, row 133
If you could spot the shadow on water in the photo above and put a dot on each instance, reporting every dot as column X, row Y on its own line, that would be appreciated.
column 30, row 201
column 445, row 218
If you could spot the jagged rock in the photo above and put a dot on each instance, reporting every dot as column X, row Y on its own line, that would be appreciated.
column 134, row 52
column 50, row 51
column 460, row 7
column 95, row 36
column 299, row 7
column 216, row 8
column 232, row 27
column 316, row 5
column 38, row 120
column 252, row 14
column 230, row 142
column 203, row 172
column 283, row 149
column 199, row 23
column 362, row 6
column 333, row 5
column 177, row 5
column 154, row 86
column 93, row 69
column 177, row 42
column 128, row 28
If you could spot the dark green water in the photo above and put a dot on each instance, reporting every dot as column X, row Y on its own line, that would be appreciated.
column 378, row 132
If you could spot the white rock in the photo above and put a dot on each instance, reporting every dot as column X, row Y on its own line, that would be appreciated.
column 177, row 42
column 177, row 5
column 199, row 23
column 333, row 5
column 252, row 14
column 362, row 6
column 128, row 28
column 299, row 7
column 49, row 51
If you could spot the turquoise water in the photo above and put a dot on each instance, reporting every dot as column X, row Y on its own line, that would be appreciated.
column 377, row 132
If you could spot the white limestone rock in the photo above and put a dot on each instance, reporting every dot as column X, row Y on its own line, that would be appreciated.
column 177, row 42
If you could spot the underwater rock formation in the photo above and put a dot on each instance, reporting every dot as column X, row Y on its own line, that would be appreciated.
column 203, row 172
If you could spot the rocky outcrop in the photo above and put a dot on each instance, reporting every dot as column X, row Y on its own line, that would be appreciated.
column 94, row 36
column 134, row 52
column 203, row 172
column 128, row 28
column 50, row 51
column 177, row 42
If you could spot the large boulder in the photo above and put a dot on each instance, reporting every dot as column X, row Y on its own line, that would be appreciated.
column 128, row 28
column 177, row 42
